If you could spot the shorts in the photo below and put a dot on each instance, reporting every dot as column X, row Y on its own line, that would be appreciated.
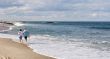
column 25, row 37
column 20, row 37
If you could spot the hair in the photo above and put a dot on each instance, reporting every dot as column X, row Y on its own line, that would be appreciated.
column 20, row 30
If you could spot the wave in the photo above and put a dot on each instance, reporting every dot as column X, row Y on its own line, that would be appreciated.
column 103, row 43
column 8, row 29
column 42, row 45
column 18, row 23
column 100, row 27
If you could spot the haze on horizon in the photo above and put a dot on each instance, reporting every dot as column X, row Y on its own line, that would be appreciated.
column 55, row 10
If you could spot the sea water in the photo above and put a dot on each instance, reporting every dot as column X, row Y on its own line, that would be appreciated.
column 67, row 40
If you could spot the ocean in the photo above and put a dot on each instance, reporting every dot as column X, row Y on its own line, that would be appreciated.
column 66, row 40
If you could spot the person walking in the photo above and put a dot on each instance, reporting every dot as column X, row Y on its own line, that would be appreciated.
column 20, row 33
column 26, row 34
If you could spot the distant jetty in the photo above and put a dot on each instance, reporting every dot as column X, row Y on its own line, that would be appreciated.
column 6, row 22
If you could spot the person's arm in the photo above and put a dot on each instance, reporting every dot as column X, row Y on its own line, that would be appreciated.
column 18, row 33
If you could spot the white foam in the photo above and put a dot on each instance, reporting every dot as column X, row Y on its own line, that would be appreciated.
column 8, row 36
column 18, row 24
column 62, row 50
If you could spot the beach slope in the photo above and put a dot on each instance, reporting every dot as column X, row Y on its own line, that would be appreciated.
column 13, row 50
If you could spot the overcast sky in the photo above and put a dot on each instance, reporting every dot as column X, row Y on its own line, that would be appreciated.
column 55, row 10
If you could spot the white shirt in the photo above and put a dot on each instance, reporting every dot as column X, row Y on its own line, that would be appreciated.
column 20, row 33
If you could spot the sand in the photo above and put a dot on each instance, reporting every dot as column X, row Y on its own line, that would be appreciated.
column 14, row 50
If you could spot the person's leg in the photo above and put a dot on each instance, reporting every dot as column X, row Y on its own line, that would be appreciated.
column 25, row 38
column 20, row 39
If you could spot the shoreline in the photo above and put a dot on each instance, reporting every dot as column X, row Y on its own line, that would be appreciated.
column 14, row 50
column 10, row 48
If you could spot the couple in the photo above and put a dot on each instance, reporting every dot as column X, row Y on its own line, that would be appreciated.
column 23, row 33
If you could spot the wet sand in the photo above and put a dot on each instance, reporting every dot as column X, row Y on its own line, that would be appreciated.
column 3, row 27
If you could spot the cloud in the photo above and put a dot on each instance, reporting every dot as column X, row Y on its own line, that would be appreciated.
column 55, row 9
column 14, row 10
column 10, row 3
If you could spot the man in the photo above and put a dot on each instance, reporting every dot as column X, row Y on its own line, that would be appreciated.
column 26, row 34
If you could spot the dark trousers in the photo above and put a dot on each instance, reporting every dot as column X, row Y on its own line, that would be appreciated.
column 25, row 37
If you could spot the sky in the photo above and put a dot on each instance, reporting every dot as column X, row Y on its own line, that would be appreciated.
column 55, row 10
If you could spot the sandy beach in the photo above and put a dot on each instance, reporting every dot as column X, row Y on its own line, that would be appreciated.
column 13, row 50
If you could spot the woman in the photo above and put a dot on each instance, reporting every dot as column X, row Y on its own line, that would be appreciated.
column 20, row 33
